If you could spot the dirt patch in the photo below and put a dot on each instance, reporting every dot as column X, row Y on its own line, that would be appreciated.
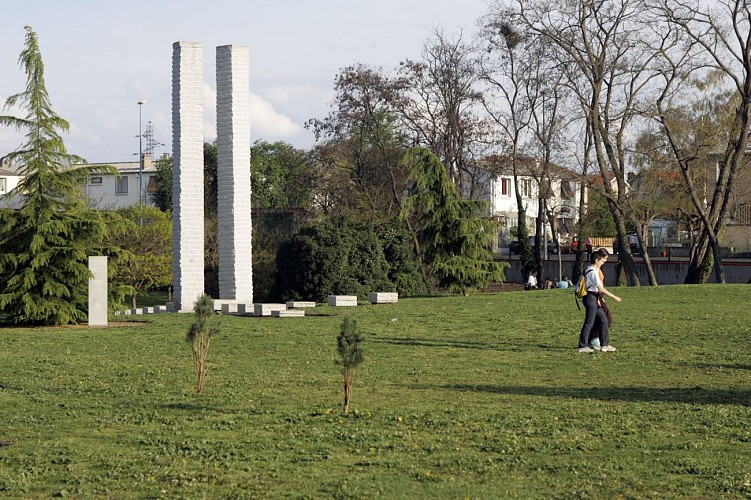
column 503, row 287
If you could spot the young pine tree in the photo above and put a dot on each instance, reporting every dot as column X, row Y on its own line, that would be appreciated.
column 44, row 246
column 199, row 336
column 456, row 239
column 348, row 344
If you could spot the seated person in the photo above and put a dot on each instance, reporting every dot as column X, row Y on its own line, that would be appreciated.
column 531, row 283
column 564, row 283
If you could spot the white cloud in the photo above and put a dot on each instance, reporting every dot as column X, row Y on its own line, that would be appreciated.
column 265, row 120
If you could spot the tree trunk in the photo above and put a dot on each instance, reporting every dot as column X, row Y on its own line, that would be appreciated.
column 624, row 255
column 644, row 254
column 348, row 376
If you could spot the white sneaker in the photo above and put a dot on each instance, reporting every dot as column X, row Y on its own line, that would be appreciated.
column 586, row 349
column 608, row 348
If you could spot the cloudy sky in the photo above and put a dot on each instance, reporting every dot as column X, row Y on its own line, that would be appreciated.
column 102, row 56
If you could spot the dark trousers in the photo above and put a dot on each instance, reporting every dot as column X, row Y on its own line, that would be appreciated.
column 593, row 314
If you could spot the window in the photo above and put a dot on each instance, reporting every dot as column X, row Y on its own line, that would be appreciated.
column 96, row 180
column 505, row 187
column 121, row 185
column 526, row 186
column 566, row 191
column 3, row 184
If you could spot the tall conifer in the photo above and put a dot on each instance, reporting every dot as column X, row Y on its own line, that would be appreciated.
column 456, row 239
column 44, row 246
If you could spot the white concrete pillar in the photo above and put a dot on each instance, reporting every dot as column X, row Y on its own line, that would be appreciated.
column 233, row 173
column 98, row 291
column 187, row 174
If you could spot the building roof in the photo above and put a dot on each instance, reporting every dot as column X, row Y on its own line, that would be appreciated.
column 5, row 171
column 527, row 165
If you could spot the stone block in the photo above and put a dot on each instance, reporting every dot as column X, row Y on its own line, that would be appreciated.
column 245, row 308
column 383, row 297
column 342, row 300
column 136, row 311
column 229, row 308
column 265, row 309
column 289, row 313
column 299, row 304
column 97, row 291
column 147, row 310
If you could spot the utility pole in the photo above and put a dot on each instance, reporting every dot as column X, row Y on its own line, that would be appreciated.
column 140, row 153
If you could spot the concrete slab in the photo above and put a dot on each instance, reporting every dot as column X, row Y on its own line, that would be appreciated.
column 289, row 313
column 265, row 309
column 299, row 304
column 383, row 297
column 342, row 300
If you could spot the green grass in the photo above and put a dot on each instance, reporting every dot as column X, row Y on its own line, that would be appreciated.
column 478, row 397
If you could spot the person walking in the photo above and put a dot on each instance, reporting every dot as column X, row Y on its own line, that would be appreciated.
column 593, row 312
column 595, row 335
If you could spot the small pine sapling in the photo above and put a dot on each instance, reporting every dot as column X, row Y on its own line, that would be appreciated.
column 348, row 344
column 199, row 336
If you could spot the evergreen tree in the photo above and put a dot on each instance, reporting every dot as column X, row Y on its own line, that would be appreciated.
column 456, row 240
column 199, row 336
column 44, row 246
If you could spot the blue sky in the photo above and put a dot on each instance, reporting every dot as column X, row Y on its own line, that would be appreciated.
column 101, row 57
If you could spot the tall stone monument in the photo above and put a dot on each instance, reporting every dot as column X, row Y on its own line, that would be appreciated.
column 233, row 174
column 187, row 174
column 98, row 291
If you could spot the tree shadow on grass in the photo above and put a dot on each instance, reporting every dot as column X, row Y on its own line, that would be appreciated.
column 735, row 366
column 689, row 395
column 193, row 407
column 462, row 344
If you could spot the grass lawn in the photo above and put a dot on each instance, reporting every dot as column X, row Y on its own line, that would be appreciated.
column 478, row 397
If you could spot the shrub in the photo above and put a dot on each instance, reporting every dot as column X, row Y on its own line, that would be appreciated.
column 335, row 256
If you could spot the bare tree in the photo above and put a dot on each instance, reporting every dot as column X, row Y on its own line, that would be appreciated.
column 504, row 71
column 438, row 103
column 364, row 140
column 610, row 70
column 717, row 33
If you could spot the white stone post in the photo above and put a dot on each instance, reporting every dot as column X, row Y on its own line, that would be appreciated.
column 187, row 174
column 233, row 173
column 98, row 291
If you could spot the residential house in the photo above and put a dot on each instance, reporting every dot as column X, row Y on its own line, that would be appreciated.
column 104, row 191
column 669, row 186
column 496, row 181
column 9, row 179
column 107, row 191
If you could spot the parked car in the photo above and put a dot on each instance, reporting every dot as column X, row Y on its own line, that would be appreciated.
column 515, row 247
column 633, row 242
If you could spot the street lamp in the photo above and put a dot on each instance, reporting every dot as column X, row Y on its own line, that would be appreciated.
column 140, row 153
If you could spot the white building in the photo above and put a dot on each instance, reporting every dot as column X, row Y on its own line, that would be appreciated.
column 9, row 179
column 103, row 191
column 106, row 191
column 496, row 181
